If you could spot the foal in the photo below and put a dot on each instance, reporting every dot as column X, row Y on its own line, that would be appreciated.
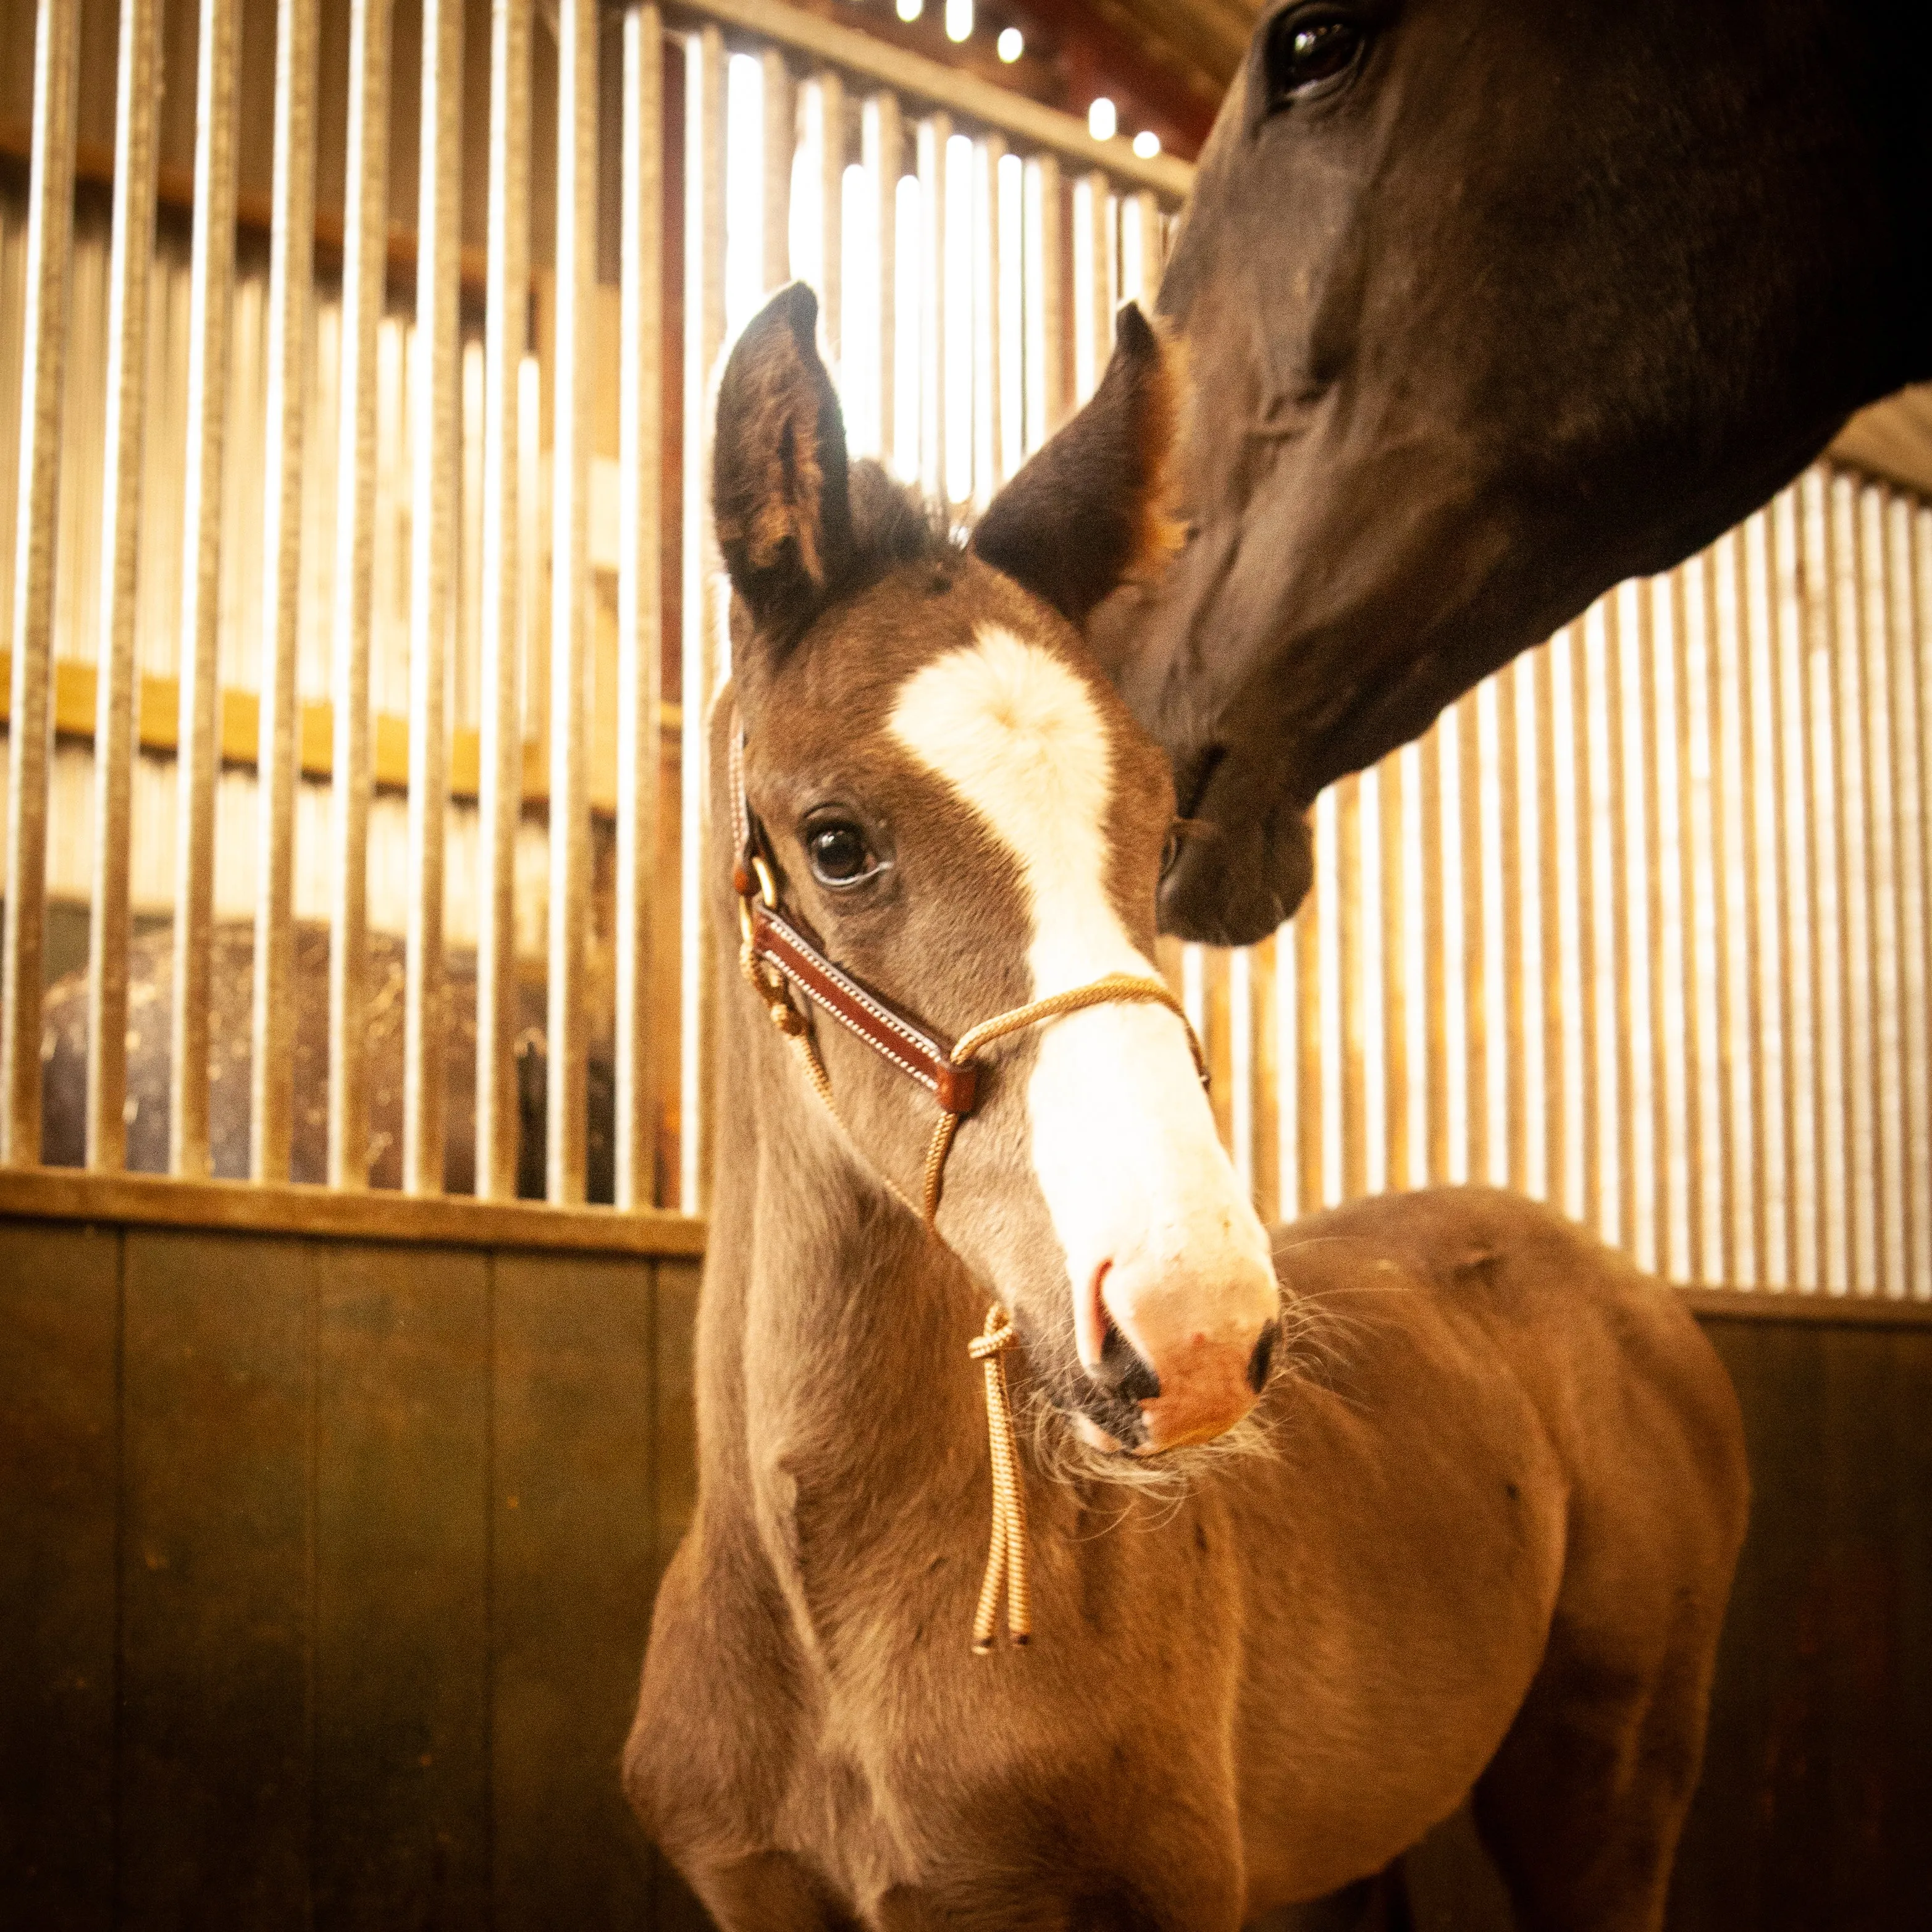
column 1488, row 1544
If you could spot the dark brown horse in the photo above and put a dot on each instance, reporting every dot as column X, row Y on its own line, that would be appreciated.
column 1484, row 1531
column 1497, row 302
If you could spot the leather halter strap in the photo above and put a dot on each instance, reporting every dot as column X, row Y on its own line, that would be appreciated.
column 776, row 955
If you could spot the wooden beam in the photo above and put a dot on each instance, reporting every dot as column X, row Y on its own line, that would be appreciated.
column 158, row 1201
column 159, row 721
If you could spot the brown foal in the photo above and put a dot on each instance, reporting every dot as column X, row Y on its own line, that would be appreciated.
column 1431, row 1494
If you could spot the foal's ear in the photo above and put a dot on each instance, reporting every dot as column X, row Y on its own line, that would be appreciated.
column 780, row 497
column 1089, row 509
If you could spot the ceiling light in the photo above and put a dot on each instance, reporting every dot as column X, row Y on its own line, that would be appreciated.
column 1011, row 44
column 958, row 19
column 910, row 10
column 1101, row 119
column 1147, row 144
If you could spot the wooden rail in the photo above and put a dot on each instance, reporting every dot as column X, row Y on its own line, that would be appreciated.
column 76, row 693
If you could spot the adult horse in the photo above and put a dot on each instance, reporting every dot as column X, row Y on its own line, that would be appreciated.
column 1488, row 1542
column 1499, row 301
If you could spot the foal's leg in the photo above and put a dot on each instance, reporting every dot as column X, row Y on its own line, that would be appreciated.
column 1582, row 1807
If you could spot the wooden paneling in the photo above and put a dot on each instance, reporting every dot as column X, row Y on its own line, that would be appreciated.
column 212, row 1786
column 401, row 1662
column 59, row 1447
column 574, row 1564
column 1815, row 1808
column 326, row 1566
column 325, row 1571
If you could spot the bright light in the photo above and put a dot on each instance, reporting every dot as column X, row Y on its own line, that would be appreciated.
column 1011, row 44
column 958, row 19
column 910, row 10
column 1147, row 144
column 1102, row 121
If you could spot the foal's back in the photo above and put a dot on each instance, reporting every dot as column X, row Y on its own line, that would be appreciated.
column 1494, row 1550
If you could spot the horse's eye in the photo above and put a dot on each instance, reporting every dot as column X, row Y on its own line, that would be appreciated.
column 839, row 854
column 1309, row 45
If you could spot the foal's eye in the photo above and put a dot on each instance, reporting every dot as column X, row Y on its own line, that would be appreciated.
column 839, row 854
column 1309, row 45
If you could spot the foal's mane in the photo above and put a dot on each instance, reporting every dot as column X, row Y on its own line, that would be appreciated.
column 893, row 525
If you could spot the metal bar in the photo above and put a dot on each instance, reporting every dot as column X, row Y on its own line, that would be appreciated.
column 1434, row 991
column 1642, row 1137
column 1801, row 937
column 1565, row 896
column 1263, row 1062
column 1350, row 1043
column 988, row 465
column 1732, row 672
column 1770, row 1036
column 1141, row 248
column 1306, row 1071
column 1289, row 1124
column 929, row 81
column 825, row 109
column 1597, row 932
column 933, row 134
column 1883, row 885
column 365, row 227
column 1913, row 704
column 436, row 394
column 130, row 273
column 499, row 750
column 212, row 275
column 639, row 598
column 1373, row 973
column 1714, row 951
column 881, row 147
column 1327, row 1038
column 1398, row 993
column 1908, row 645
column 1093, row 312
column 1855, row 952
column 1554, row 992
column 1476, row 966
column 780, row 131
column 1681, row 838
column 703, row 639
column 568, row 1129
column 49, row 253
column 1046, row 270
column 291, row 299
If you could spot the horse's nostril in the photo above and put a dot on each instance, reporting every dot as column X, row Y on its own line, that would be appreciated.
column 1262, row 1359
column 1123, row 1370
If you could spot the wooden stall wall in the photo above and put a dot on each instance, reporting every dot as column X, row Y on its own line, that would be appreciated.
column 325, row 1569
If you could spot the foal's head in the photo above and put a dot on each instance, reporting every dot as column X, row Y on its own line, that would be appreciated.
column 957, row 805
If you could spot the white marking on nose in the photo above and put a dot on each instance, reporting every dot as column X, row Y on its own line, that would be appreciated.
column 1123, row 1138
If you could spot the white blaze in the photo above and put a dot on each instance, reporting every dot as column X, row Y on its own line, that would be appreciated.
column 1122, row 1138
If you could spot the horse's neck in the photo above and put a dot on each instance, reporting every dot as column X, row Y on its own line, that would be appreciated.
column 839, row 1411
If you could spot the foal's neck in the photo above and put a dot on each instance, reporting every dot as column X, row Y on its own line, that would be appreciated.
column 838, row 1406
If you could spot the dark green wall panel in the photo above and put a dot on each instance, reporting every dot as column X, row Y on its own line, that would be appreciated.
column 59, row 1450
